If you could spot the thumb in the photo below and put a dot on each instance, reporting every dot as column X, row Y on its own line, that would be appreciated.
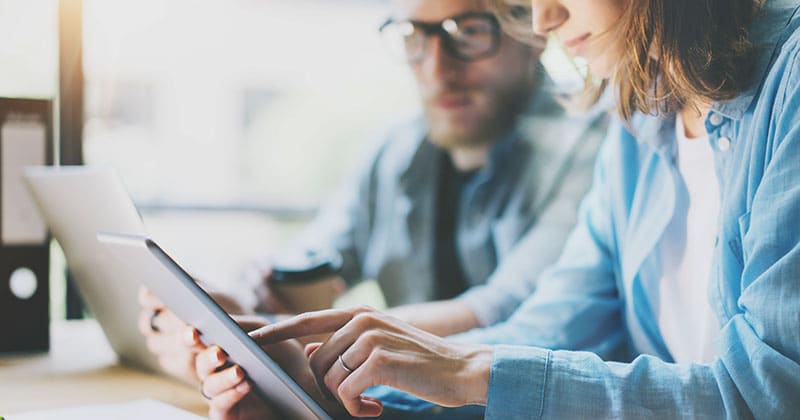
column 311, row 348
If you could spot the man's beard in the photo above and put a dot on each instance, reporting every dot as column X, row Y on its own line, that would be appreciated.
column 487, row 126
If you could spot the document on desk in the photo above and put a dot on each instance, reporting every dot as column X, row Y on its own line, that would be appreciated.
column 139, row 409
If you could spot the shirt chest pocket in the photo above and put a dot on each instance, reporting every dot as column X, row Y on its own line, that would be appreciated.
column 744, row 230
column 734, row 235
column 505, row 234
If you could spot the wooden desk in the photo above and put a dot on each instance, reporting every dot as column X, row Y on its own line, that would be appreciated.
column 82, row 369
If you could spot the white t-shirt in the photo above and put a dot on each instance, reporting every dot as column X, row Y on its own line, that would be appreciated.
column 685, row 318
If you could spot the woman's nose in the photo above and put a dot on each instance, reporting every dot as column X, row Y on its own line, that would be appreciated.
column 547, row 15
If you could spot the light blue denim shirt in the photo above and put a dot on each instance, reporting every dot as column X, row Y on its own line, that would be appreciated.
column 603, row 291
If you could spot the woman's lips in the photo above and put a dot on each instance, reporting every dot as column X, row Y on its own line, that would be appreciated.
column 574, row 44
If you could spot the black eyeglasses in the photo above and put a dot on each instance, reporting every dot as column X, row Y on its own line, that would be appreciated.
column 470, row 36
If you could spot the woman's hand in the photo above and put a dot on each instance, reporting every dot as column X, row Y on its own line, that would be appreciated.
column 368, row 348
column 174, row 343
column 230, row 393
column 227, row 389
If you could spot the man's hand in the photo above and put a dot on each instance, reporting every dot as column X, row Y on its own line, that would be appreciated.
column 368, row 348
column 294, row 298
column 269, row 301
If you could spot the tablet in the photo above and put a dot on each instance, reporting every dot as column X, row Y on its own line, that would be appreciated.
column 141, row 257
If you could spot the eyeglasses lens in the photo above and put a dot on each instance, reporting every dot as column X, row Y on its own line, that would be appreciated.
column 466, row 38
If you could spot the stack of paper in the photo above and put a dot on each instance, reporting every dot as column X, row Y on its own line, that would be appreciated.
column 134, row 410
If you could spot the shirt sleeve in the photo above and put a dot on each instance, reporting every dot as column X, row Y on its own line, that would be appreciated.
column 757, row 371
column 576, row 304
column 516, row 276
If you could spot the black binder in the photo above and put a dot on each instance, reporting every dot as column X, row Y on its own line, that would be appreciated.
column 26, row 133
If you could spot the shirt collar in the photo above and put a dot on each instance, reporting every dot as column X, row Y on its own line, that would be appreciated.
column 658, row 131
column 767, row 34
column 422, row 164
column 499, row 155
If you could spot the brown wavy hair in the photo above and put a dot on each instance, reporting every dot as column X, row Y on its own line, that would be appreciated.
column 703, row 51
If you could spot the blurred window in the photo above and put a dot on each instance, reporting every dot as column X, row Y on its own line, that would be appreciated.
column 224, row 116
column 221, row 102
column 29, row 48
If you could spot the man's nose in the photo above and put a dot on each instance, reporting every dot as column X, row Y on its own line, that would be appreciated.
column 437, row 63
column 547, row 16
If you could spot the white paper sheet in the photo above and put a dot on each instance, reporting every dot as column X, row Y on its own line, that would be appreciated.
column 134, row 410
column 23, row 144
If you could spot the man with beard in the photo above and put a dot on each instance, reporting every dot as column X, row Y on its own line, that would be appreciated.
column 434, row 215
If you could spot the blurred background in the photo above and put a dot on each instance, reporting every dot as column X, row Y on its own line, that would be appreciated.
column 229, row 121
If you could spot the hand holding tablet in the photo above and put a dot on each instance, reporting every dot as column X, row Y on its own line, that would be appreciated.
column 178, row 291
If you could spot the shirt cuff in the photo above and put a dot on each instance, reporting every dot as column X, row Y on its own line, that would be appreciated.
column 517, row 382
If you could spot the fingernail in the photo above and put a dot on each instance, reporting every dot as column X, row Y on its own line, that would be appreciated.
column 243, row 387
column 236, row 373
column 190, row 336
column 218, row 356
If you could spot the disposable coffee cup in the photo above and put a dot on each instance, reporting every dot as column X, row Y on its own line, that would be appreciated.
column 306, row 281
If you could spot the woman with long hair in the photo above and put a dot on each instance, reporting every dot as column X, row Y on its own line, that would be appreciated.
column 685, row 264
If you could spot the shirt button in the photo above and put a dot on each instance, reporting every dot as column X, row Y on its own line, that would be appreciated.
column 723, row 144
column 715, row 119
